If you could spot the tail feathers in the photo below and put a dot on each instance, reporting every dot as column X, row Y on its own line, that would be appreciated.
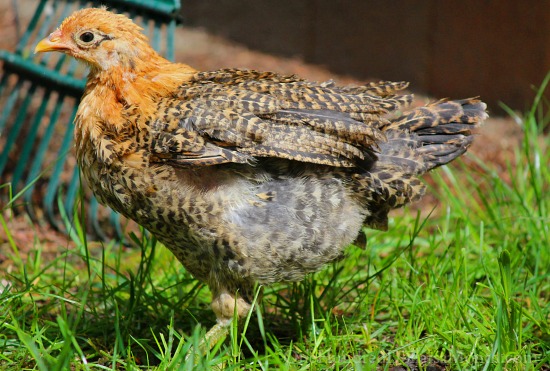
column 461, row 114
column 435, row 155
column 433, row 135
column 418, row 141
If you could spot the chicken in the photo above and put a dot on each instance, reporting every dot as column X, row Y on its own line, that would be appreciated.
column 247, row 176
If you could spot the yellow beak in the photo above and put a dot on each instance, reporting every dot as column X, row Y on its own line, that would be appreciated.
column 50, row 43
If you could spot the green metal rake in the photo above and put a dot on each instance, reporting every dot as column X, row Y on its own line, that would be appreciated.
column 39, row 95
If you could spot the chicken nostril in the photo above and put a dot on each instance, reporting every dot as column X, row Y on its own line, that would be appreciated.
column 55, row 36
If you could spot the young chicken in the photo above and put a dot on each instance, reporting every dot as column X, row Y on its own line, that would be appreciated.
column 246, row 176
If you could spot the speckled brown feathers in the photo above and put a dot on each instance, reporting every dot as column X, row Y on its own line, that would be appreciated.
column 248, row 176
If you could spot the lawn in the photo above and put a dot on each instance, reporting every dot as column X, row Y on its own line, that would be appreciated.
column 462, row 286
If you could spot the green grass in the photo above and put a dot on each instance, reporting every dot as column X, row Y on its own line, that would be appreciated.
column 468, row 285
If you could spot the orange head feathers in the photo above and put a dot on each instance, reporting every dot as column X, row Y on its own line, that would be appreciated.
column 100, row 38
column 119, row 55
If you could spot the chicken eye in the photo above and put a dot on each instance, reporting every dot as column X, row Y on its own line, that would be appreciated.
column 86, row 37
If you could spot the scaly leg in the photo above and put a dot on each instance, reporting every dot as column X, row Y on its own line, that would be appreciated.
column 223, row 306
